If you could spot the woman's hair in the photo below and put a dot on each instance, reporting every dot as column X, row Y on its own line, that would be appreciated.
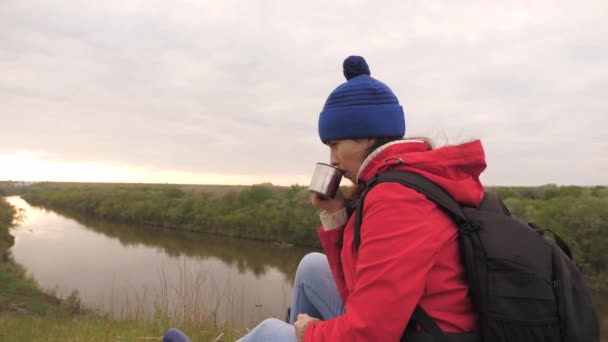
column 385, row 140
column 356, row 191
column 381, row 141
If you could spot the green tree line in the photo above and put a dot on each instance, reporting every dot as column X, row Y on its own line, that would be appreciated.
column 578, row 214
column 7, row 216
column 260, row 212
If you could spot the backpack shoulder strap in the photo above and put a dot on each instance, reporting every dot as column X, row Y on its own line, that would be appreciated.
column 439, row 197
column 492, row 202
column 418, row 183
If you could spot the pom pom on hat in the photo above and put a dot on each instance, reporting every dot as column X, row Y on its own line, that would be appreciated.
column 363, row 107
column 354, row 66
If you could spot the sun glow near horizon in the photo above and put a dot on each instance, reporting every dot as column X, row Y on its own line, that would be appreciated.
column 35, row 167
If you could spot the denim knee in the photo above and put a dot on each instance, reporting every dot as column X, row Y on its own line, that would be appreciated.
column 271, row 329
column 271, row 322
column 310, row 263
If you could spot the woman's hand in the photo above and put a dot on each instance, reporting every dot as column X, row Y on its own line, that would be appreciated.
column 331, row 205
column 301, row 324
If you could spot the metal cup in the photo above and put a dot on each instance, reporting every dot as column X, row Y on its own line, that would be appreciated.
column 325, row 180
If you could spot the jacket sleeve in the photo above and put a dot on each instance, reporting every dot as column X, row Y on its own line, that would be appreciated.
column 331, row 240
column 401, row 235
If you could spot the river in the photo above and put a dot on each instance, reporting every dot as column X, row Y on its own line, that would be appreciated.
column 127, row 270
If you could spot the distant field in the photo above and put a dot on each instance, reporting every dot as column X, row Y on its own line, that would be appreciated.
column 12, row 187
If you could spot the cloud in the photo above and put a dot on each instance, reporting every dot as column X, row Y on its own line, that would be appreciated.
column 231, row 86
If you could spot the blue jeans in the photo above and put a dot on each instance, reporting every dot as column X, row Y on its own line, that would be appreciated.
column 315, row 293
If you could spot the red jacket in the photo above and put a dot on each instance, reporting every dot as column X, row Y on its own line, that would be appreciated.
column 409, row 250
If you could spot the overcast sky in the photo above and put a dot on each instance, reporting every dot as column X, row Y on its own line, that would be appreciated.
column 230, row 91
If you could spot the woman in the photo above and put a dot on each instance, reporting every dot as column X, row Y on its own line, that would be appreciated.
column 408, row 254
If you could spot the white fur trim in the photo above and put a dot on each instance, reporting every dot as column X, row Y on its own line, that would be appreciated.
column 377, row 151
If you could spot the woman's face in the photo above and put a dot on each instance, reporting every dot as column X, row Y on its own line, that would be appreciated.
column 348, row 154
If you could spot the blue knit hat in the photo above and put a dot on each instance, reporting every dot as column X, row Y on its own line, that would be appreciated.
column 363, row 107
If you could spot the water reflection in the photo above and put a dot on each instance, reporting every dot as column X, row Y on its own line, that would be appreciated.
column 245, row 255
column 126, row 269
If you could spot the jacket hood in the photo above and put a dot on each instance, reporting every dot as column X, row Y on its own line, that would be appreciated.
column 456, row 169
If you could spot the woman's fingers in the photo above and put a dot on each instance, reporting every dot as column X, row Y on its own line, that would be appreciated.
column 329, row 204
column 301, row 325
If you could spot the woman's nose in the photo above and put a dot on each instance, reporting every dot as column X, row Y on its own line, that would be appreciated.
column 332, row 159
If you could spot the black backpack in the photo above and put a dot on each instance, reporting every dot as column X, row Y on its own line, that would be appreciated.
column 524, row 286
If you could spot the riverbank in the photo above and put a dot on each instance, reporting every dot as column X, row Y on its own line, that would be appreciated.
column 18, row 293
column 29, row 314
